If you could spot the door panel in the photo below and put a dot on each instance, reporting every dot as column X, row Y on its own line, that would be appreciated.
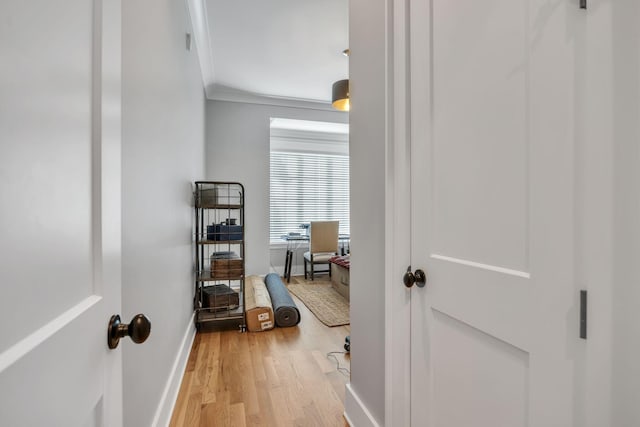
column 46, row 160
column 492, row 122
column 479, row 136
column 59, row 254
column 464, row 359
column 44, row 381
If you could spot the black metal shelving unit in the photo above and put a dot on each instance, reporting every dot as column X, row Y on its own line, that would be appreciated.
column 219, row 254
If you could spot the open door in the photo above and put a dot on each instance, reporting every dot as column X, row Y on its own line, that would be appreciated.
column 493, row 117
column 60, row 212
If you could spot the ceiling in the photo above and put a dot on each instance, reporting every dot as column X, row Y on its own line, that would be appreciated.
column 286, row 49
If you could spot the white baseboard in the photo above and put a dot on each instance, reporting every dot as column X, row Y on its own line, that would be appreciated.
column 170, row 394
column 356, row 414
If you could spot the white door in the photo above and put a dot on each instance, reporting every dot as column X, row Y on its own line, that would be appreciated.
column 59, row 212
column 493, row 332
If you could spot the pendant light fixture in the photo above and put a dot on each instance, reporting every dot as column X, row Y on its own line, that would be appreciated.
column 340, row 92
column 340, row 95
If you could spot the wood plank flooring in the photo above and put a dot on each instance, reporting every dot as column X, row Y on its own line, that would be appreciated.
column 280, row 377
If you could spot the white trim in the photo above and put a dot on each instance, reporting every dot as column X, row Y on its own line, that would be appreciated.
column 305, row 136
column 167, row 403
column 109, row 283
column 33, row 340
column 312, row 126
column 305, row 143
column 356, row 414
column 220, row 93
column 398, row 218
column 200, row 28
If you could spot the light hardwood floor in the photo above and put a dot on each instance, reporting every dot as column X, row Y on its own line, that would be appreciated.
column 280, row 377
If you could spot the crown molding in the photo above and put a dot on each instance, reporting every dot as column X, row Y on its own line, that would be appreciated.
column 222, row 93
column 200, row 28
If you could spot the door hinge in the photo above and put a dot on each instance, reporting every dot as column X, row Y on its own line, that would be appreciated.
column 583, row 314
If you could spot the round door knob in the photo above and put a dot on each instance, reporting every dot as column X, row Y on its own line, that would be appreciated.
column 409, row 279
column 138, row 330
column 419, row 278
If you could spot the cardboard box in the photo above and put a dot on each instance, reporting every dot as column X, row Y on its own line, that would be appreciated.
column 260, row 319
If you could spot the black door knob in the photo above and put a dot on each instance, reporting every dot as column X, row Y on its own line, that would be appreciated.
column 419, row 278
column 138, row 330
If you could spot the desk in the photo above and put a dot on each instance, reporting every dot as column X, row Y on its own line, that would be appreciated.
column 296, row 241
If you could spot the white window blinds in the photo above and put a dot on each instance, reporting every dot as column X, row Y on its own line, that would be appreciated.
column 305, row 187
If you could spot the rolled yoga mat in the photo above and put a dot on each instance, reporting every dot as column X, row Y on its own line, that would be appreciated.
column 285, row 311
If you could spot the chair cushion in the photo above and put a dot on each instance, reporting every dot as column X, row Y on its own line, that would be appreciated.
column 321, row 257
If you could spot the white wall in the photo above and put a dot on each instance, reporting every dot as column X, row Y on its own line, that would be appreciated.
column 367, row 163
column 238, row 150
column 162, row 153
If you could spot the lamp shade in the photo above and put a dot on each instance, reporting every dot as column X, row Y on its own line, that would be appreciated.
column 340, row 95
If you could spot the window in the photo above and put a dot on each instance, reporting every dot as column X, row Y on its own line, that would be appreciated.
column 309, row 177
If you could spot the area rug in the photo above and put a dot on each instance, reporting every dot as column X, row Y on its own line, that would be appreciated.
column 324, row 302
